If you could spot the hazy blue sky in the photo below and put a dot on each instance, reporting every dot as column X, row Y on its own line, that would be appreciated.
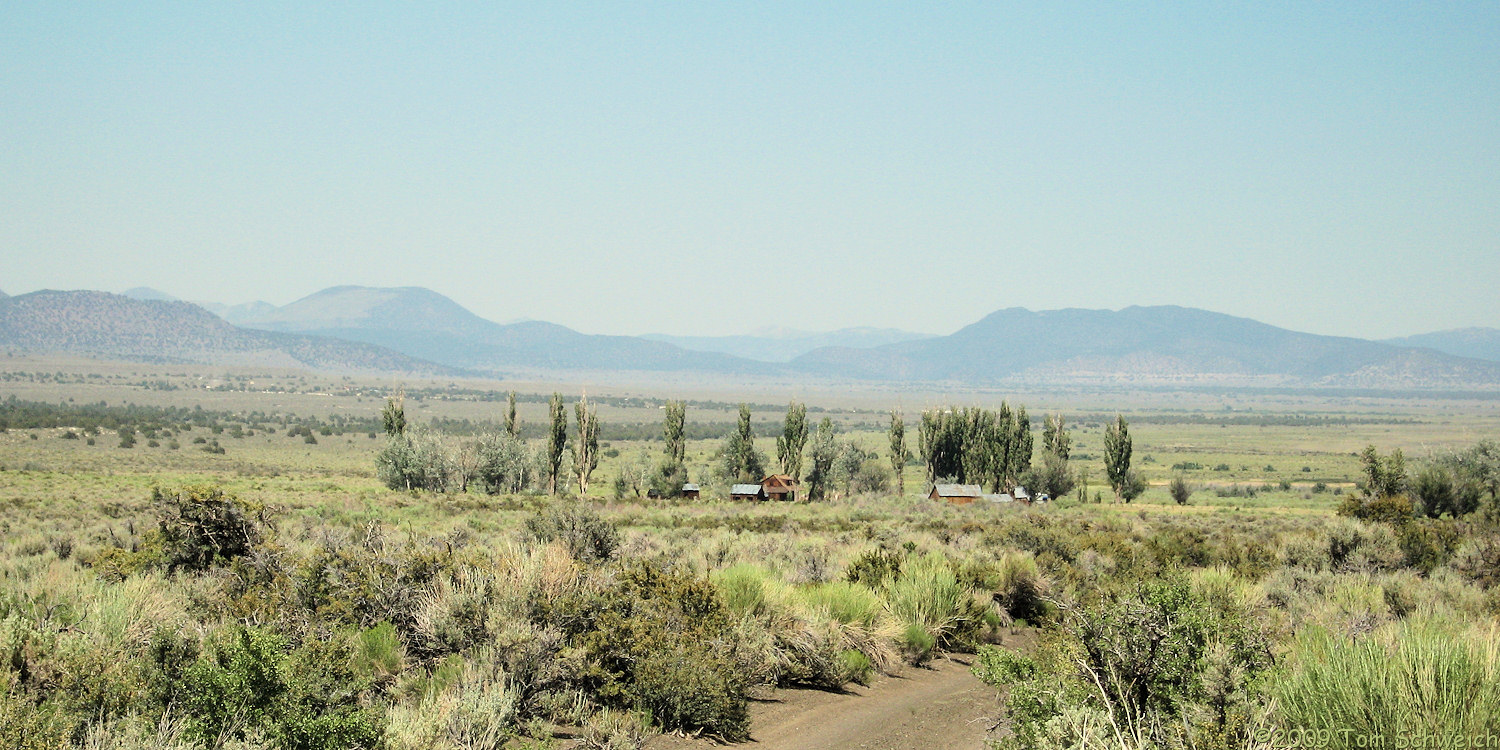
column 714, row 167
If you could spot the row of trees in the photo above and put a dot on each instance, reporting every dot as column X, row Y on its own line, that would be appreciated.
column 992, row 448
column 976, row 446
column 832, row 464
column 494, row 462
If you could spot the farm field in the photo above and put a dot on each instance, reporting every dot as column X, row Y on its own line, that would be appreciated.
column 241, row 575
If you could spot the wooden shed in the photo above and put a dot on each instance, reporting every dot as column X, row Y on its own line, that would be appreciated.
column 781, row 487
column 690, row 491
column 747, row 492
column 958, row 494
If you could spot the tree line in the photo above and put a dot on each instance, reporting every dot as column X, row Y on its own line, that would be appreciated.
column 991, row 448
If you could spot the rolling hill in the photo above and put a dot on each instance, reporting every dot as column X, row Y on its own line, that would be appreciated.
column 424, row 324
column 1147, row 344
column 113, row 325
column 1475, row 343
column 783, row 345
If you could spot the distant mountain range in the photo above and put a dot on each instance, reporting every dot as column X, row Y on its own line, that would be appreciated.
column 235, row 314
column 1148, row 344
column 417, row 330
column 1476, row 343
column 425, row 324
column 784, row 345
column 113, row 325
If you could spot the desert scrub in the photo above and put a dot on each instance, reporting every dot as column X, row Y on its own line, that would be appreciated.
column 305, row 698
column 577, row 527
column 660, row 641
column 1161, row 666
column 467, row 704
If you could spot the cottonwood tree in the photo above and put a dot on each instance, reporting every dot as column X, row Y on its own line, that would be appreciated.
column 394, row 414
column 824, row 454
column 899, row 453
column 973, row 446
column 1384, row 477
column 1020, row 447
column 1052, row 475
column 672, row 473
column 1055, row 437
column 793, row 438
column 1117, row 449
column 506, row 465
column 557, row 440
column 512, row 427
column 738, row 458
column 586, row 447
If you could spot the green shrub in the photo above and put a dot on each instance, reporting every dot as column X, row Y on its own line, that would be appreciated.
column 1161, row 665
column 303, row 699
column 1390, row 509
column 201, row 527
column 874, row 568
column 660, row 641
column 856, row 665
column 1427, row 544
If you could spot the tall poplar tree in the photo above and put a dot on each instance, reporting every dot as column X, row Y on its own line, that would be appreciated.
column 899, row 453
column 1117, row 447
column 793, row 437
column 512, row 427
column 394, row 414
column 586, row 447
column 557, row 440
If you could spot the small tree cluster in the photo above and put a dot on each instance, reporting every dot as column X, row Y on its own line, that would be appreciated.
column 976, row 446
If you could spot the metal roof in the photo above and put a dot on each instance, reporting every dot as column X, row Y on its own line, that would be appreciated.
column 689, row 487
column 958, row 490
column 745, row 489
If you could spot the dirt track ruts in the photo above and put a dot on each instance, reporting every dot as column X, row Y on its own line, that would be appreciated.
column 935, row 708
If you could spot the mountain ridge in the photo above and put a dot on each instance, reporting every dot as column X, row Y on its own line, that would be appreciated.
column 101, row 323
column 406, row 327
column 1474, row 342
column 1165, row 342
column 427, row 325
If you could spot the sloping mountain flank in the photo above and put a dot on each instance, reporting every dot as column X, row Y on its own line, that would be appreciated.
column 1168, row 344
column 422, row 323
column 1475, row 343
column 113, row 325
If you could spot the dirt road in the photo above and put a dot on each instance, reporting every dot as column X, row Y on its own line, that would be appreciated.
column 934, row 708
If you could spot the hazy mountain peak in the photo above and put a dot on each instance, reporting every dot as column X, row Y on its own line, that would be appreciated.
column 146, row 293
column 407, row 308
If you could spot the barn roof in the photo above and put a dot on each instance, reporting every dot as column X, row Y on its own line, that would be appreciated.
column 745, row 489
column 958, row 490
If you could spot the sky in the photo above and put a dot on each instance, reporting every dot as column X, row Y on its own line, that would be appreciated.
column 713, row 168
